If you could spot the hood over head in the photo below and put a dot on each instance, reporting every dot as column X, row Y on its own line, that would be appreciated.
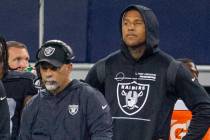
column 151, row 25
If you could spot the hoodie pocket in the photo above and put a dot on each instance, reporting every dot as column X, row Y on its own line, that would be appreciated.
column 40, row 131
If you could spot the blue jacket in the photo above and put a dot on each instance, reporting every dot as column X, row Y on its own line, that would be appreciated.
column 79, row 112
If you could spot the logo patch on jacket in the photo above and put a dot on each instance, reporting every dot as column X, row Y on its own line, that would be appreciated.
column 132, row 96
column 73, row 109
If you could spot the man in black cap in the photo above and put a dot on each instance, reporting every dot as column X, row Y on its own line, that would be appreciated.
column 64, row 108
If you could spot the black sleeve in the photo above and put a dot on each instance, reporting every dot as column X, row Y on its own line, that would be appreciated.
column 28, row 78
column 30, row 90
column 99, row 119
column 197, row 100
column 4, row 115
column 93, row 79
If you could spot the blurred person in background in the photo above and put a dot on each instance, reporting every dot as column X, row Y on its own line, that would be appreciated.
column 19, row 89
column 18, row 56
column 190, row 65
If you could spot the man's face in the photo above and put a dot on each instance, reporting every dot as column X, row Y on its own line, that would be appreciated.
column 133, row 29
column 18, row 58
column 192, row 69
column 55, row 79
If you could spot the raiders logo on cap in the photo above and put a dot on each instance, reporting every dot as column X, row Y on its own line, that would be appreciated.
column 49, row 51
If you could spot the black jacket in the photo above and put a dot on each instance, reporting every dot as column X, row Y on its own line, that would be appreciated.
column 4, row 115
column 18, row 85
column 137, row 90
column 79, row 112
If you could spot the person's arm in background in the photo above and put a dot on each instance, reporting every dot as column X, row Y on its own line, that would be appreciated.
column 197, row 100
column 4, row 115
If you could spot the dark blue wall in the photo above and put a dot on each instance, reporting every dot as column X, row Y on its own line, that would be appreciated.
column 184, row 30
column 91, row 27
column 67, row 20
column 19, row 21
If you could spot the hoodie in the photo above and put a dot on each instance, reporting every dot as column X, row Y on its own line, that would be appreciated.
column 77, row 113
column 137, row 90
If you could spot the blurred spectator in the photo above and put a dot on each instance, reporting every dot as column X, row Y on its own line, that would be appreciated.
column 190, row 65
column 19, row 88
column 18, row 56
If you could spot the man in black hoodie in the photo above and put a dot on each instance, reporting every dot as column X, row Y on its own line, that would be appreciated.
column 64, row 109
column 137, row 80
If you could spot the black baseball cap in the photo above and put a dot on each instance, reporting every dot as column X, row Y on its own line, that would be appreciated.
column 56, row 53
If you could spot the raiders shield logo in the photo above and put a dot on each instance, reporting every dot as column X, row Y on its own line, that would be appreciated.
column 49, row 51
column 132, row 96
column 73, row 109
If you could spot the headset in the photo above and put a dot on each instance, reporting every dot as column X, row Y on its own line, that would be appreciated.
column 69, row 52
column 69, row 57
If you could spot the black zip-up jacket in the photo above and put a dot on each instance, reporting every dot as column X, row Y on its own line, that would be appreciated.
column 137, row 90
column 79, row 112
column 18, row 86
column 4, row 115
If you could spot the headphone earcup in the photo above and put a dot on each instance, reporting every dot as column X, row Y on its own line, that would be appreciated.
column 69, row 52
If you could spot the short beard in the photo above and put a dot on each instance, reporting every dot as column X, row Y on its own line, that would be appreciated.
column 51, row 85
